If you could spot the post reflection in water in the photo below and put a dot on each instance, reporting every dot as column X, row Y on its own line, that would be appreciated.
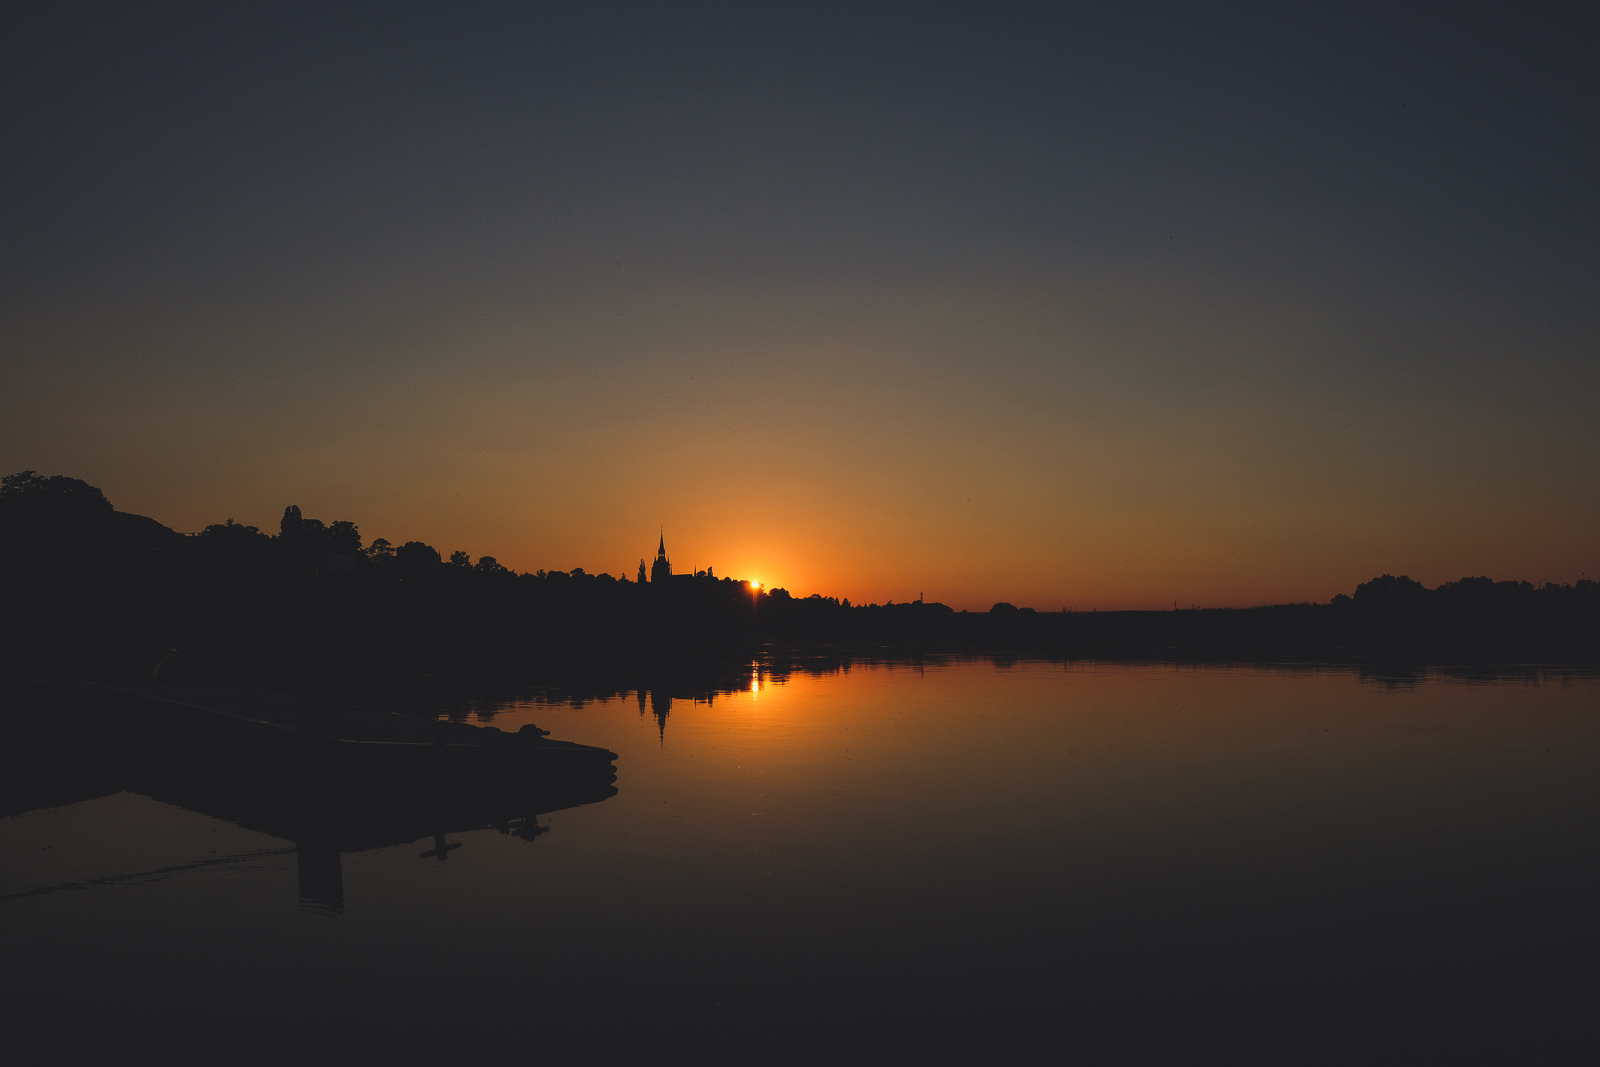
column 862, row 860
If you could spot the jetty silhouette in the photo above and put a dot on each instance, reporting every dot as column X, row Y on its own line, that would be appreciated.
column 71, row 744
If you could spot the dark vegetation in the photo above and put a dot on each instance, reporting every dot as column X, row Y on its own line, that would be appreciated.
column 90, row 591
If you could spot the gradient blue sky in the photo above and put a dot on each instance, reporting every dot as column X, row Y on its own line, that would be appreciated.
column 1098, row 306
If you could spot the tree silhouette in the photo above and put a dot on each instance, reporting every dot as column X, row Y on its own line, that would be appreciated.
column 416, row 557
column 28, row 496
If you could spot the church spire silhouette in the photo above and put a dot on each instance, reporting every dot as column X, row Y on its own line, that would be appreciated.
column 661, row 569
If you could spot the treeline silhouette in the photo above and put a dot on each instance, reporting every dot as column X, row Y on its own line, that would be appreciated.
column 90, row 591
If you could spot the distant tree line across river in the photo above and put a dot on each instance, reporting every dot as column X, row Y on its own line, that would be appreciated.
column 90, row 590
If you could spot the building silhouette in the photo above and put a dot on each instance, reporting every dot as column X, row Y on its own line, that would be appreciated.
column 661, row 569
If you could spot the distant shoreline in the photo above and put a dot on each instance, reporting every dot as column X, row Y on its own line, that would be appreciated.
column 92, row 592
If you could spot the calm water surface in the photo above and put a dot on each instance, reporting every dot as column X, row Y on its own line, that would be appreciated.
column 1128, row 863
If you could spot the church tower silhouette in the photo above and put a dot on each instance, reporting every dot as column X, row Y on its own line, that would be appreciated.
column 661, row 569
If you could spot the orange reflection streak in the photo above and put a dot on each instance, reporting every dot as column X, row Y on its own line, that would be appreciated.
column 1188, row 748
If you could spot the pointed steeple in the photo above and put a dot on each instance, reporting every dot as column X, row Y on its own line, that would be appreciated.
column 661, row 569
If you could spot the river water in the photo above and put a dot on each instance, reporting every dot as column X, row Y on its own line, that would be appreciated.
column 950, row 860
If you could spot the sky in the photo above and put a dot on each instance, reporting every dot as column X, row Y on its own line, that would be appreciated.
column 1085, row 306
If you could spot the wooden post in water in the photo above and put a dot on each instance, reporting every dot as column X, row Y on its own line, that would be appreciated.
column 320, row 696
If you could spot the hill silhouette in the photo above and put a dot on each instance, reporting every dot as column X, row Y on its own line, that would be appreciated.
column 94, row 592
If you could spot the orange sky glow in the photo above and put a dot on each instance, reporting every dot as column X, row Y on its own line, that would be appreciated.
column 1113, row 315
